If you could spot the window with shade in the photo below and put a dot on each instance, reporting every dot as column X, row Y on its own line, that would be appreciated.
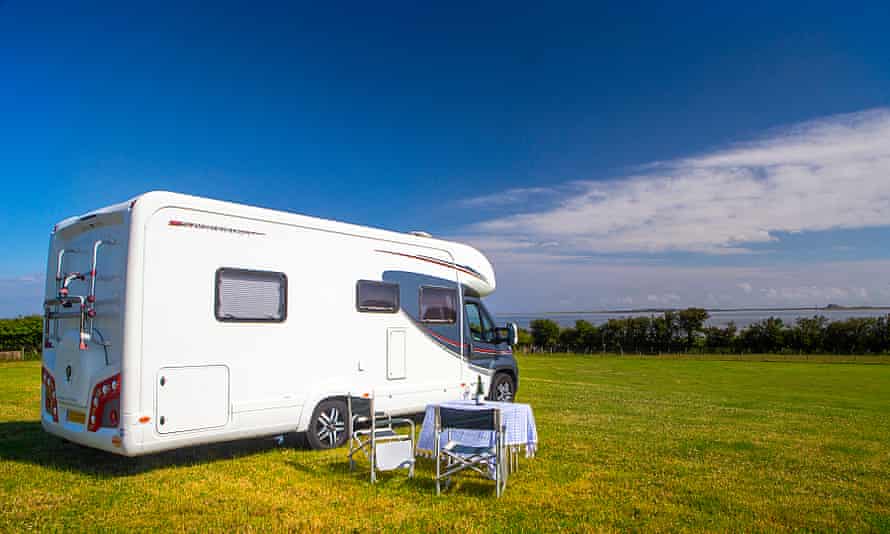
column 376, row 297
column 249, row 296
column 438, row 304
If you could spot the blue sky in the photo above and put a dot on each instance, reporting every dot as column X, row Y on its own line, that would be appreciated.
column 603, row 156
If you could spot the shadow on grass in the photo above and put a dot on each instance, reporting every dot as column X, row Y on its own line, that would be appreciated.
column 465, row 484
column 27, row 442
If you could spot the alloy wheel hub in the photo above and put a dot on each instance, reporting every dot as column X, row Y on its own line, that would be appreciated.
column 330, row 426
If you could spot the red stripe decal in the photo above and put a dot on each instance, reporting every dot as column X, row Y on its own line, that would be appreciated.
column 436, row 262
column 445, row 339
column 491, row 351
column 460, row 345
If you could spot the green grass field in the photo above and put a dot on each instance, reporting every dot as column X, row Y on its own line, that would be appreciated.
column 626, row 444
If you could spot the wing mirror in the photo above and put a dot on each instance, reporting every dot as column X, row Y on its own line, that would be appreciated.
column 508, row 334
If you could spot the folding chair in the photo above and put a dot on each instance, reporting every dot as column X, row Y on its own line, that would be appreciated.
column 372, row 433
column 489, row 461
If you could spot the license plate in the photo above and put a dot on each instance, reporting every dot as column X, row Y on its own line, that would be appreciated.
column 78, row 417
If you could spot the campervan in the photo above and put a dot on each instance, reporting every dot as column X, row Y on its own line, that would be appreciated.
column 172, row 320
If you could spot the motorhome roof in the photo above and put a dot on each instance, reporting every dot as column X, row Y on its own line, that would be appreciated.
column 462, row 255
column 65, row 223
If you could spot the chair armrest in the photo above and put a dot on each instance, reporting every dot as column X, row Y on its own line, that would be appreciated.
column 404, row 421
column 360, row 419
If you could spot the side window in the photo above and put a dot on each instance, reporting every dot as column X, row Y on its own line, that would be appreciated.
column 481, row 328
column 250, row 296
column 381, row 297
column 438, row 304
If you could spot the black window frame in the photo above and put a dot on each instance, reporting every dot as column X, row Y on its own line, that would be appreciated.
column 216, row 297
column 365, row 309
column 457, row 302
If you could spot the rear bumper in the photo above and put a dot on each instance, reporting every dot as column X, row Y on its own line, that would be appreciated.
column 106, row 439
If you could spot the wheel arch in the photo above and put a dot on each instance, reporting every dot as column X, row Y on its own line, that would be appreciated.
column 317, row 441
column 310, row 407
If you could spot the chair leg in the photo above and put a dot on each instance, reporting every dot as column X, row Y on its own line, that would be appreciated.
column 372, row 457
column 438, row 480
column 505, row 474
column 497, row 477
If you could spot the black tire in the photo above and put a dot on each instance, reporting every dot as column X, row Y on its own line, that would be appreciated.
column 503, row 388
column 327, row 428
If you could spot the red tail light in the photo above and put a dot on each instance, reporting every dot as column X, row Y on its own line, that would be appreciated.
column 49, row 398
column 104, row 392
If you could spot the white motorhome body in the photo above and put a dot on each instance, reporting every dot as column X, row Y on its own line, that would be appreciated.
column 172, row 320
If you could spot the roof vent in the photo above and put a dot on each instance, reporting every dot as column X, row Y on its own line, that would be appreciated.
column 418, row 233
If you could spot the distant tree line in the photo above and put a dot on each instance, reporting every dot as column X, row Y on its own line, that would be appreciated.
column 670, row 332
column 21, row 333
column 685, row 331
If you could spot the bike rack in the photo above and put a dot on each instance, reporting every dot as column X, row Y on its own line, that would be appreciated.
column 47, row 342
column 91, row 298
column 64, row 299
column 61, row 256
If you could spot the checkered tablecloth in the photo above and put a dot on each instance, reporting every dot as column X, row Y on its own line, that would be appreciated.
column 518, row 418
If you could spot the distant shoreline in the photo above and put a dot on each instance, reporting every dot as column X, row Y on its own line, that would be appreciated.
column 830, row 308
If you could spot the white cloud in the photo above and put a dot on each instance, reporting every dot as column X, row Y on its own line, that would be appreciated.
column 827, row 174
column 595, row 285
column 746, row 287
column 510, row 196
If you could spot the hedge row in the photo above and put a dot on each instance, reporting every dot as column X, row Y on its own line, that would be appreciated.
column 21, row 333
column 685, row 331
column 682, row 331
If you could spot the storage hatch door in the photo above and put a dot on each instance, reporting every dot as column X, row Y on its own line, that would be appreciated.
column 192, row 398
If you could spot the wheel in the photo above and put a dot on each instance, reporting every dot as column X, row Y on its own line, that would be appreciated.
column 503, row 389
column 327, row 428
